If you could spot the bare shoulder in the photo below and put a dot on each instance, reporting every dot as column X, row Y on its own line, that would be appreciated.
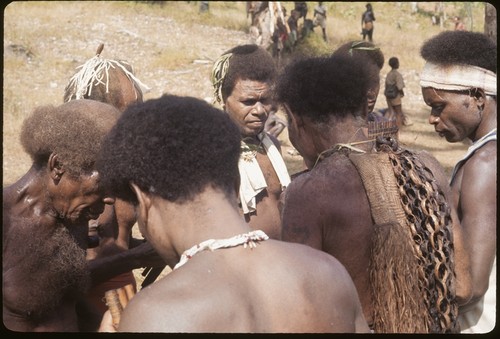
column 485, row 158
column 326, row 269
column 161, row 307
column 479, row 173
column 330, row 173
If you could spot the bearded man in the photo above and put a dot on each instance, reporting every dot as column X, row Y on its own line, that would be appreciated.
column 46, row 214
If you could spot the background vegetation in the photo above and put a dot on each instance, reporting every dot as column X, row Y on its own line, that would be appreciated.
column 172, row 46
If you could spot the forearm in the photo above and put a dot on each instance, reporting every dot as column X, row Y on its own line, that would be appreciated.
column 106, row 267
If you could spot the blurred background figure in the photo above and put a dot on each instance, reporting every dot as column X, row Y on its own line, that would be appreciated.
column 367, row 19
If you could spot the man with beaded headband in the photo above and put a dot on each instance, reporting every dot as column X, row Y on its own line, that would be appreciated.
column 226, row 277
column 243, row 78
column 380, row 209
column 459, row 84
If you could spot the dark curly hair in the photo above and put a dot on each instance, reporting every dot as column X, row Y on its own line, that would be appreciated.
column 394, row 62
column 461, row 47
column 324, row 86
column 248, row 62
column 173, row 147
column 74, row 131
column 362, row 48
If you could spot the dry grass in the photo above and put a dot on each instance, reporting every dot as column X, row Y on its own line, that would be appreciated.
column 163, row 41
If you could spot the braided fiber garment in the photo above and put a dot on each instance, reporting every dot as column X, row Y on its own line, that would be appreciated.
column 412, row 268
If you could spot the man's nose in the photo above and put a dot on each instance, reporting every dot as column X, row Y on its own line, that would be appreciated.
column 260, row 108
column 433, row 120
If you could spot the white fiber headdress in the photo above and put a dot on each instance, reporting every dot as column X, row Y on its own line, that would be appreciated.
column 458, row 78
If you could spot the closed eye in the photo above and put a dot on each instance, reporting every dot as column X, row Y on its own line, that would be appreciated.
column 436, row 110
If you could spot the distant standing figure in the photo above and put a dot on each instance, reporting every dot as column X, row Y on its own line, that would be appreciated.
column 301, row 7
column 320, row 18
column 293, row 27
column 459, row 25
column 204, row 6
column 367, row 19
column 394, row 85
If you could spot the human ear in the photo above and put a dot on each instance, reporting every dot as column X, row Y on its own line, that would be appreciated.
column 55, row 167
column 144, row 202
column 480, row 97
column 293, row 119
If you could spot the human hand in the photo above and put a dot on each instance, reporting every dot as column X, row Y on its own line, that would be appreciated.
column 107, row 323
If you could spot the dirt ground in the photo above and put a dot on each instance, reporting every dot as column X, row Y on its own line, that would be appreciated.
column 40, row 57
column 36, row 69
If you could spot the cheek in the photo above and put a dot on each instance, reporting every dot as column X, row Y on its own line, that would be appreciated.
column 235, row 111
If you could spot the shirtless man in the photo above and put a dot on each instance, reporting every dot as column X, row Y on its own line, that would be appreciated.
column 112, row 82
column 373, row 54
column 188, row 197
column 46, row 214
column 372, row 234
column 459, row 84
column 242, row 79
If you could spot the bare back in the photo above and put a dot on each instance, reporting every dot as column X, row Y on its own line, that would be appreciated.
column 328, row 209
column 272, row 288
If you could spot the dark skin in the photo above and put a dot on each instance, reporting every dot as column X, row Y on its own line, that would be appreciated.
column 218, row 291
column 458, row 116
column 45, row 199
column 117, row 253
column 327, row 207
column 249, row 105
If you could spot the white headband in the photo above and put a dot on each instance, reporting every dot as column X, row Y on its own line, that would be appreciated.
column 458, row 78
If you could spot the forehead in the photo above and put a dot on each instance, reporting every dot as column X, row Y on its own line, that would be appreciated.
column 245, row 87
column 88, row 180
column 431, row 94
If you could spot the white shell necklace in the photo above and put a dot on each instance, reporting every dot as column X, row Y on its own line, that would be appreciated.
column 251, row 239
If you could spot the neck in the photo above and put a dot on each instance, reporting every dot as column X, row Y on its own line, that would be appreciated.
column 488, row 120
column 348, row 130
column 211, row 215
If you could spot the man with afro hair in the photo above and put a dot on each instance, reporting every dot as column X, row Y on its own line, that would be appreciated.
column 46, row 214
column 226, row 277
column 459, row 84
column 373, row 54
column 356, row 201
column 243, row 79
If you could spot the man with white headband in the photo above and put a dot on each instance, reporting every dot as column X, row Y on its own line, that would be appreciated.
column 459, row 84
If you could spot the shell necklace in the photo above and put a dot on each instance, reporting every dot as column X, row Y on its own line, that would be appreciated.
column 246, row 239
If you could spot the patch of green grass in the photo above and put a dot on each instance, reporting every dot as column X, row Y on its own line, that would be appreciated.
column 313, row 45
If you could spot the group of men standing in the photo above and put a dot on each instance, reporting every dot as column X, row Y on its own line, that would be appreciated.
column 371, row 237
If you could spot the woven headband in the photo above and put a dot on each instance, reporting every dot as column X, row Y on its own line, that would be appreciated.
column 92, row 73
column 218, row 75
column 356, row 46
column 458, row 78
